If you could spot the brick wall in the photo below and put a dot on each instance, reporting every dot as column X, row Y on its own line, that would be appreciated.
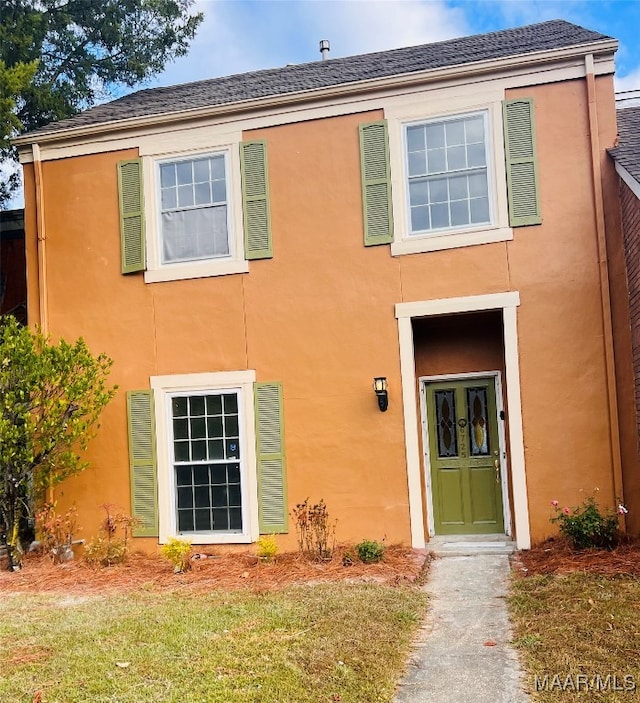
column 630, row 205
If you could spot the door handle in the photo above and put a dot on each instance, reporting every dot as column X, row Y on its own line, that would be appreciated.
column 496, row 463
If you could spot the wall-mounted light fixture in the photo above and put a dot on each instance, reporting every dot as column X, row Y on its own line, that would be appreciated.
column 380, row 387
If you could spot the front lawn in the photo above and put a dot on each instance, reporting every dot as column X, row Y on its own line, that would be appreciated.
column 579, row 635
column 306, row 643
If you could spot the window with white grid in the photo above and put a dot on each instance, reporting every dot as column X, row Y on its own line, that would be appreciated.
column 194, row 209
column 446, row 162
column 207, row 460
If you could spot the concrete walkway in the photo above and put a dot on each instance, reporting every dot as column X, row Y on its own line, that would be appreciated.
column 453, row 661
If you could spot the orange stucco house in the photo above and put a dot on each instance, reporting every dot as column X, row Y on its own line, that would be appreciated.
column 253, row 251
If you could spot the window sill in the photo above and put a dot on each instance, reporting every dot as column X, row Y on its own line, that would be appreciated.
column 414, row 244
column 199, row 269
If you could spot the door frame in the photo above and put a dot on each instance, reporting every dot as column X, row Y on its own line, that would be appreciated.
column 502, row 437
column 507, row 303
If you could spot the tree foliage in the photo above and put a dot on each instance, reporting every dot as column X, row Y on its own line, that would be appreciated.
column 65, row 55
column 51, row 396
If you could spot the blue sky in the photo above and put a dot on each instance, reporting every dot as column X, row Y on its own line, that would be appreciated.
column 245, row 35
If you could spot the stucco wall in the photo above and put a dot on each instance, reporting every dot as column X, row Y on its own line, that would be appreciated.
column 319, row 317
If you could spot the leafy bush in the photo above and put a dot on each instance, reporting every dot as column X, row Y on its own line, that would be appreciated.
column 111, row 549
column 55, row 531
column 587, row 526
column 370, row 551
column 267, row 547
column 178, row 552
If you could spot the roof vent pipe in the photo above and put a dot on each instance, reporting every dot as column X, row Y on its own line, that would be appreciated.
column 324, row 48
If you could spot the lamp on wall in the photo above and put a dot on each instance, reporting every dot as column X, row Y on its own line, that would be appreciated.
column 380, row 387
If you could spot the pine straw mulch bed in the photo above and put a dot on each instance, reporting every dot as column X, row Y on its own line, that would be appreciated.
column 227, row 571
column 555, row 556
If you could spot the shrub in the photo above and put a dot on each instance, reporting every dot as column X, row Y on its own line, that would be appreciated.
column 370, row 551
column 587, row 526
column 267, row 547
column 55, row 531
column 110, row 548
column 316, row 534
column 178, row 552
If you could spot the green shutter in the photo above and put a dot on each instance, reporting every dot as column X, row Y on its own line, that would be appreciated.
column 131, row 215
column 142, row 462
column 255, row 200
column 522, row 169
column 272, row 489
column 376, row 183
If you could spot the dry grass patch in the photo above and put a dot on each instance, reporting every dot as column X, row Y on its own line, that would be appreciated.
column 302, row 644
column 577, row 630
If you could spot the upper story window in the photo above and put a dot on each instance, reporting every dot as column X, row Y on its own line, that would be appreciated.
column 448, row 186
column 194, row 213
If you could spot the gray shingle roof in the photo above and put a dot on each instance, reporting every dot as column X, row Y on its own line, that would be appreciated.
column 227, row 90
column 627, row 153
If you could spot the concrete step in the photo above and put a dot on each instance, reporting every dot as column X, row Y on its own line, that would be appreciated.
column 470, row 545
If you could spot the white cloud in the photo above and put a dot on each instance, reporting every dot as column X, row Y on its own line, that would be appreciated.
column 238, row 36
column 629, row 82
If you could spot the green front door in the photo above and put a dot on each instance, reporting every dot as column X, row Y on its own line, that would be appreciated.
column 464, row 457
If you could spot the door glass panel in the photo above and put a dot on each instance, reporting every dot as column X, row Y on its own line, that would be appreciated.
column 478, row 423
column 445, row 423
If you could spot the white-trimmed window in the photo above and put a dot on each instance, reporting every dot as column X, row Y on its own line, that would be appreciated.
column 447, row 173
column 194, row 211
column 207, row 482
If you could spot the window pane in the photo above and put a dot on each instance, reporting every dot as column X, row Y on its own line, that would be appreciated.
column 217, row 167
column 185, row 497
column 219, row 192
column 455, row 132
column 438, row 191
column 201, row 496
column 203, row 193
column 230, row 403
column 475, row 129
column 476, row 155
column 419, row 193
column 220, row 519
column 235, row 519
column 232, row 449
column 478, row 185
column 231, row 426
column 214, row 405
column 167, row 175
column 214, row 427
column 218, row 474
column 435, row 135
column 419, row 218
column 184, row 171
column 436, row 159
column 201, row 171
column 185, row 520
column 185, row 196
column 179, row 407
column 234, row 473
column 216, row 449
column 417, row 163
column 456, row 158
column 202, row 519
column 219, row 494
column 169, row 198
column 198, row 450
column 181, row 451
column 200, row 475
column 439, row 216
column 234, row 495
column 180, row 429
column 198, row 428
column 195, row 234
column 460, row 213
column 480, row 210
column 458, row 188
column 183, row 475
column 415, row 139
column 196, row 405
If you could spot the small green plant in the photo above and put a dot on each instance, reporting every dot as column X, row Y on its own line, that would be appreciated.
column 587, row 526
column 370, row 551
column 111, row 548
column 267, row 547
column 315, row 532
column 178, row 552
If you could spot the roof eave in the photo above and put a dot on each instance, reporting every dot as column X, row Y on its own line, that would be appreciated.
column 601, row 46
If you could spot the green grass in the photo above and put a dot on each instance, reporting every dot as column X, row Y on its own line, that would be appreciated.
column 335, row 642
column 580, row 624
